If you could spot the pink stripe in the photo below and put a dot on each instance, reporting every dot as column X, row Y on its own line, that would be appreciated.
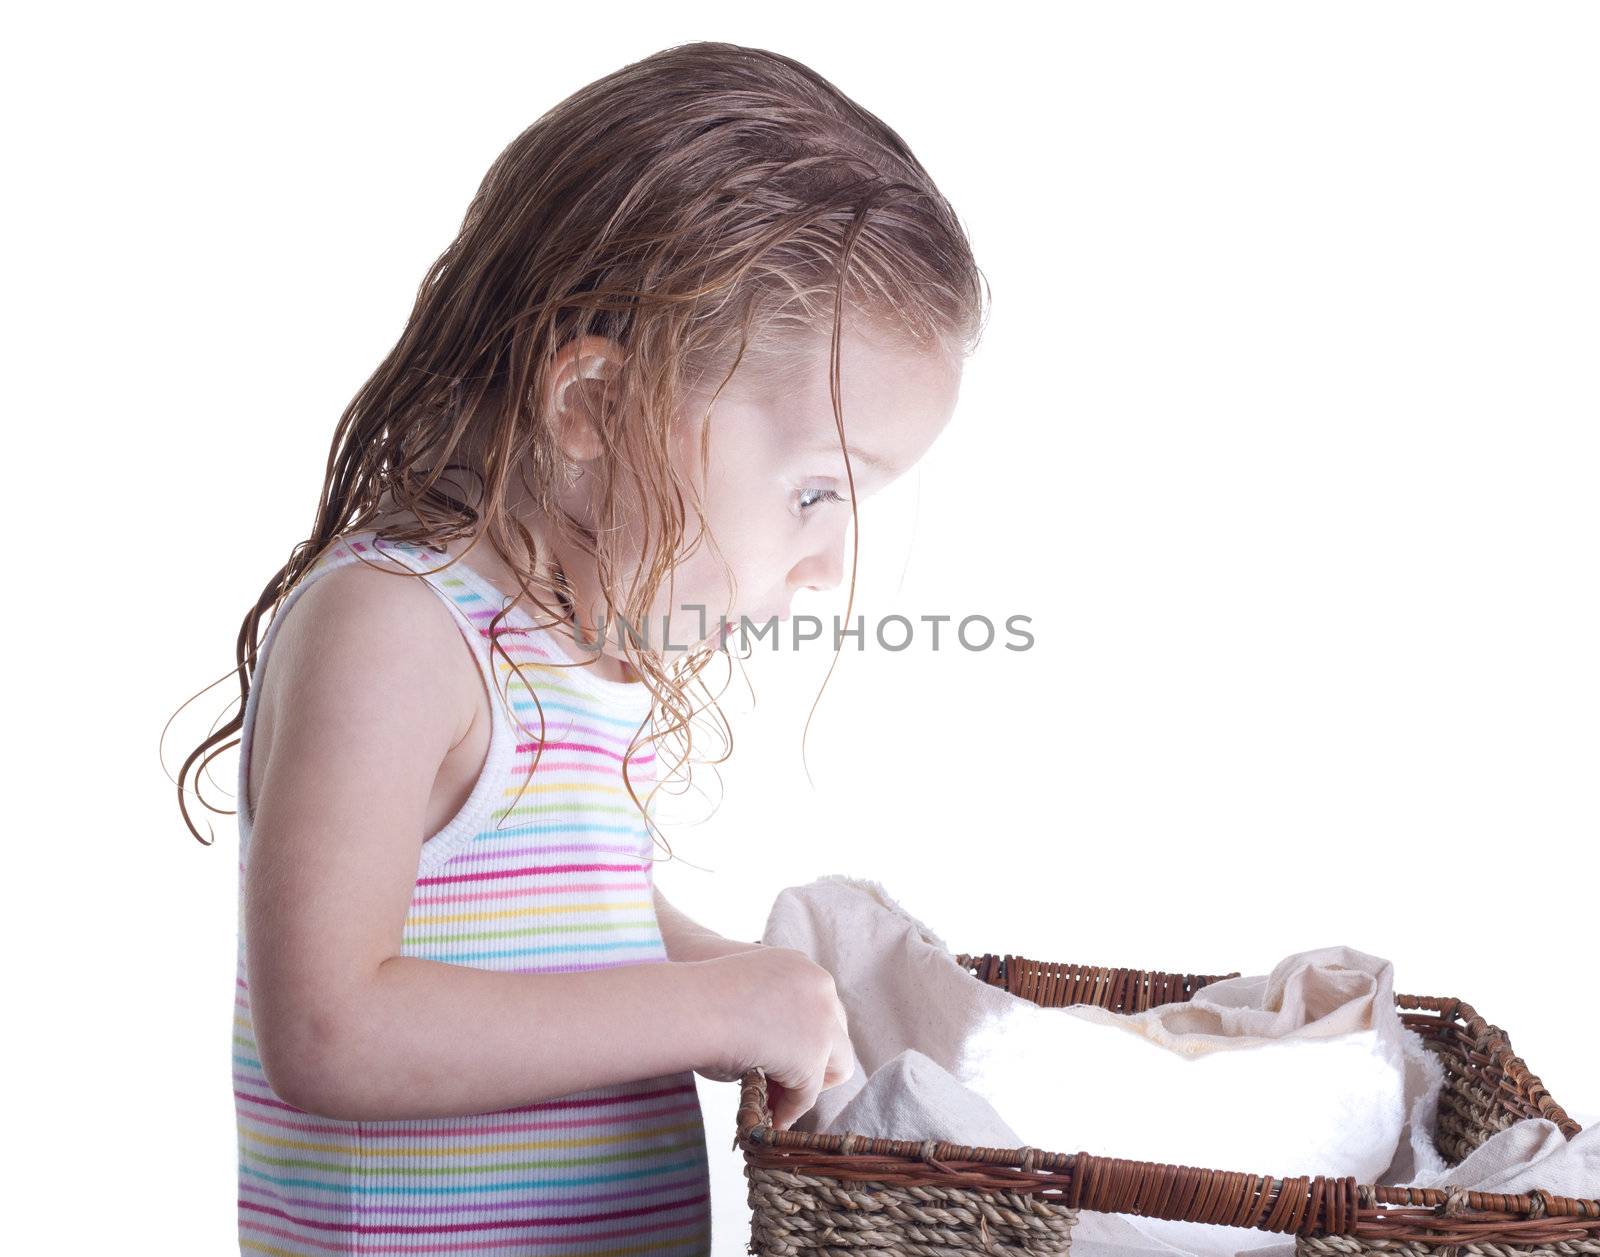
column 524, row 748
column 269, row 1101
column 548, row 765
column 381, row 1130
column 584, row 1102
column 525, row 891
column 563, row 1220
column 577, row 1219
column 532, row 870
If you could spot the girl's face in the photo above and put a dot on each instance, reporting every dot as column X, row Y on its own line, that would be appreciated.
column 775, row 494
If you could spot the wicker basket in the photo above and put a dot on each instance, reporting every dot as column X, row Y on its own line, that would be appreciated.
column 848, row 1195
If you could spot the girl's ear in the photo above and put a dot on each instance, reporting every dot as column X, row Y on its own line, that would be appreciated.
column 577, row 393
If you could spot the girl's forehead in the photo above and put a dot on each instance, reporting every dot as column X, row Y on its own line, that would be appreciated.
column 894, row 401
column 800, row 364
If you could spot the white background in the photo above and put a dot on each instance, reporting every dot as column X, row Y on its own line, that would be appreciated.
column 1284, row 432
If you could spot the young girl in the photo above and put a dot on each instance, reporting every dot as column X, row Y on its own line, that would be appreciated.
column 693, row 315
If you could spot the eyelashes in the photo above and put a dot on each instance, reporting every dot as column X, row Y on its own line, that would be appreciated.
column 823, row 495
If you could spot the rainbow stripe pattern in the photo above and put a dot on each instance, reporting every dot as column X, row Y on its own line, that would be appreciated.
column 542, row 870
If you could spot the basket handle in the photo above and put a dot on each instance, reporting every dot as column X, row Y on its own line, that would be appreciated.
column 1052, row 984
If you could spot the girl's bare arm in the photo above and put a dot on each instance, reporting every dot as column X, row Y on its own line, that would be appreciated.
column 346, row 1027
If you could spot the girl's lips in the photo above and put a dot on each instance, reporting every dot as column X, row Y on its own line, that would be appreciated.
column 733, row 623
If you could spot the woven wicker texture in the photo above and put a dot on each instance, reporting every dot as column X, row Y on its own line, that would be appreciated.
column 827, row 1215
column 849, row 1194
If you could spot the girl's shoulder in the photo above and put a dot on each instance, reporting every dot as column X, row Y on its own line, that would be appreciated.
column 354, row 637
column 364, row 604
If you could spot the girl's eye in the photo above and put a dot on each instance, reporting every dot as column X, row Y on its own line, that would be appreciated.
column 822, row 495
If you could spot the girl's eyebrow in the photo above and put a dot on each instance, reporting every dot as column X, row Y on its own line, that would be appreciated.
column 856, row 456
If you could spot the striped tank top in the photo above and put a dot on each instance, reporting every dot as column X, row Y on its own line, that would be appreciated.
column 543, row 870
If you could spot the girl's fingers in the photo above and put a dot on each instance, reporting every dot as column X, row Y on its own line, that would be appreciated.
column 842, row 1061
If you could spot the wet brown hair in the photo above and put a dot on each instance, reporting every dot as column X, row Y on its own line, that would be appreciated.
column 708, row 207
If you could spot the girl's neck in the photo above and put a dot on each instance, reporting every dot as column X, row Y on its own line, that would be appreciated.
column 550, row 575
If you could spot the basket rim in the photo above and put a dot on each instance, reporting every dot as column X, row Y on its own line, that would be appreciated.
column 1303, row 1204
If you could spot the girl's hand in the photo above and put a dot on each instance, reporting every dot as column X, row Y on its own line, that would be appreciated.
column 784, row 1017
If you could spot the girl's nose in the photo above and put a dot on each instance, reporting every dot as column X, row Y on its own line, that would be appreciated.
column 820, row 571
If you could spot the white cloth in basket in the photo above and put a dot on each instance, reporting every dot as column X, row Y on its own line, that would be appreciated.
column 911, row 1097
column 1304, row 1071
column 1528, row 1154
